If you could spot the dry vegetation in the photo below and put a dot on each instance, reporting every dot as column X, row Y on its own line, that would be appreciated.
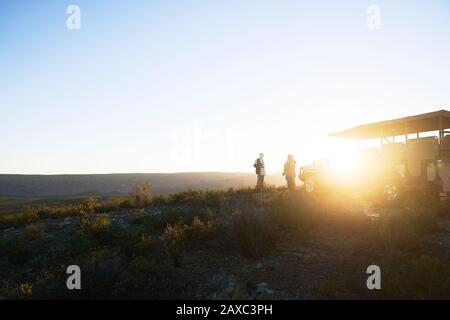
column 231, row 244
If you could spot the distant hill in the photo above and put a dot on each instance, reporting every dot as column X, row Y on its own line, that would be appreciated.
column 14, row 185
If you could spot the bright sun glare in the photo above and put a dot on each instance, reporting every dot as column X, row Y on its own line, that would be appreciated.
column 345, row 161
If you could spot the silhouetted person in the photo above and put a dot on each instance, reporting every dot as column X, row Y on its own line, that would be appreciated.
column 289, row 172
column 260, row 171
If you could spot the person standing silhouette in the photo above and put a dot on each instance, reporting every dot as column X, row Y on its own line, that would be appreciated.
column 289, row 172
column 260, row 171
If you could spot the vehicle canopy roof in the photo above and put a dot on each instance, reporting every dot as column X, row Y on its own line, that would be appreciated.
column 431, row 121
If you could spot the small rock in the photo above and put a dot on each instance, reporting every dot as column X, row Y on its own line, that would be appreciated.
column 231, row 285
column 263, row 288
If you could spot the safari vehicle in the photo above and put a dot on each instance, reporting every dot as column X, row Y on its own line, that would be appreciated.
column 414, row 154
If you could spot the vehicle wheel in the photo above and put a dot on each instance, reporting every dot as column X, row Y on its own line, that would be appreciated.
column 310, row 185
column 390, row 188
column 391, row 192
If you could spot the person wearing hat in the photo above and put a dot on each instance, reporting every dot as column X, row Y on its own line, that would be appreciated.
column 289, row 172
column 260, row 171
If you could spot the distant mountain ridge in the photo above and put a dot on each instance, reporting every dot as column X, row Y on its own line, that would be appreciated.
column 16, row 185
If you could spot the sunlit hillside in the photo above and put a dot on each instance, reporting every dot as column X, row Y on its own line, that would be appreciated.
column 233, row 244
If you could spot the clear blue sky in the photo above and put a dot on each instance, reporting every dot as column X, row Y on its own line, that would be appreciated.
column 166, row 86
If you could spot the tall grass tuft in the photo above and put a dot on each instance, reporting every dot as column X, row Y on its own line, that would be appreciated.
column 397, row 232
column 255, row 230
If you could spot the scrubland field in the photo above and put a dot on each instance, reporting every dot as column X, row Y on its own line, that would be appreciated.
column 233, row 244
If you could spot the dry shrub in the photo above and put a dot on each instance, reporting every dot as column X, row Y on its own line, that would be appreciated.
column 146, row 245
column 89, row 205
column 174, row 240
column 178, row 236
column 422, row 277
column 26, row 290
column 424, row 220
column 33, row 233
column 152, row 278
column 305, row 212
column 26, row 245
column 58, row 212
column 26, row 216
column 255, row 230
column 328, row 289
column 440, row 208
column 291, row 210
column 200, row 229
column 342, row 212
column 96, row 226
column 399, row 229
column 141, row 194
column 137, row 216
column 396, row 231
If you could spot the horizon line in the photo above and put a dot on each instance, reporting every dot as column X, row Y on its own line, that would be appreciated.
column 123, row 173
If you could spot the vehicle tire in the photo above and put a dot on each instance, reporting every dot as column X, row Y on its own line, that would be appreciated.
column 391, row 192
column 390, row 188
column 310, row 184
